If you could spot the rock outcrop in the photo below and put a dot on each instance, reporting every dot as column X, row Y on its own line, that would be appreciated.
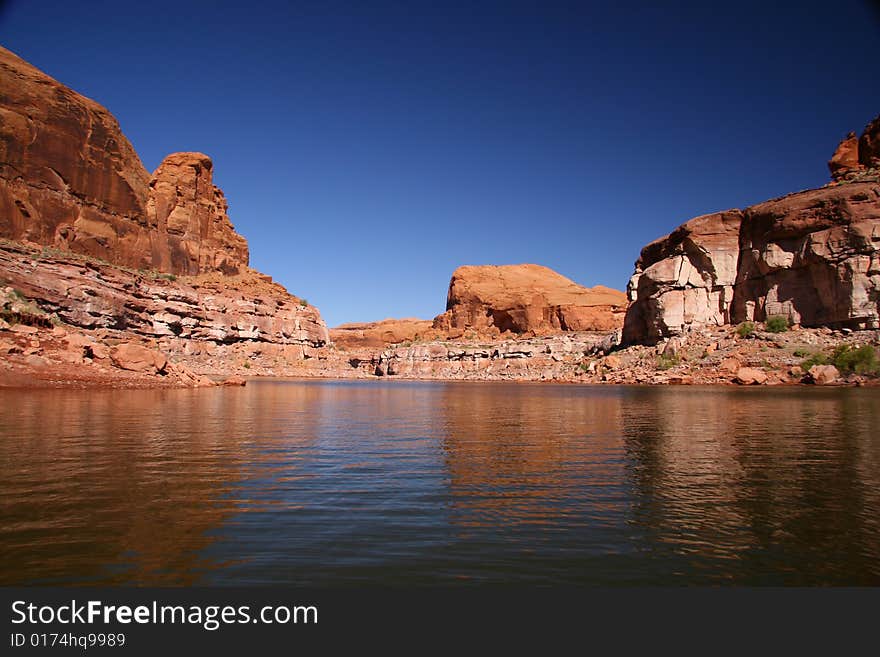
column 70, row 179
column 526, row 299
column 357, row 335
column 195, row 234
column 812, row 257
column 857, row 155
column 869, row 145
column 186, row 317
column 685, row 278
column 845, row 158
column 95, row 242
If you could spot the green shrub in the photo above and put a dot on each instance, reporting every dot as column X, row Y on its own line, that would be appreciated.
column 861, row 360
column 665, row 362
column 777, row 324
column 815, row 359
column 745, row 329
column 801, row 353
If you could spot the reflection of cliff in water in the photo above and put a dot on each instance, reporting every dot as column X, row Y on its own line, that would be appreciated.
column 780, row 486
column 527, row 454
column 137, row 480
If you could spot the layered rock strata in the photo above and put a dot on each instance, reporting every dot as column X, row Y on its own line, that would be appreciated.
column 531, row 359
column 183, row 317
column 812, row 257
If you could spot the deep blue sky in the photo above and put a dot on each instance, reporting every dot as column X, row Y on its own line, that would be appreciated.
column 367, row 149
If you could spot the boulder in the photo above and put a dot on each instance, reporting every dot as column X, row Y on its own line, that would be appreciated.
column 749, row 376
column 822, row 375
column 729, row 365
column 136, row 358
column 612, row 362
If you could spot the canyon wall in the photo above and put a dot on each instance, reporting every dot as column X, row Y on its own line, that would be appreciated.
column 812, row 257
column 101, row 246
column 70, row 179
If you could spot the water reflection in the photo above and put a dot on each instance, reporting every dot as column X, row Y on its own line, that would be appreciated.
column 783, row 486
column 331, row 483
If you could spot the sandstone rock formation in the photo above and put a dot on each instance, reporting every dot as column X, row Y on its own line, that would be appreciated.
column 91, row 239
column 684, row 278
column 70, row 179
column 857, row 155
column 379, row 334
column 846, row 157
column 812, row 257
column 185, row 317
column 869, row 145
column 526, row 298
column 189, row 211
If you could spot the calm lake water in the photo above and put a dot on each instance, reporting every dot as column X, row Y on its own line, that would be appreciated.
column 344, row 483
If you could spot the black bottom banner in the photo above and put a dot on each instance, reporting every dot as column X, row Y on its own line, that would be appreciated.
column 239, row 621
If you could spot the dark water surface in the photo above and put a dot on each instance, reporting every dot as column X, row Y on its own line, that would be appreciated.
column 333, row 483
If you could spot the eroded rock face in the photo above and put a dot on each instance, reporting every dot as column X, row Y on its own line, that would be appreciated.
column 812, row 257
column 846, row 157
column 68, row 176
column 684, row 279
column 869, row 145
column 194, row 233
column 184, row 317
column 69, row 179
column 526, row 298
column 857, row 157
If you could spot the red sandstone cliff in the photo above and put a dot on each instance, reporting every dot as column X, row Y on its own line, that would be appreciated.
column 812, row 257
column 70, row 179
column 379, row 334
column 527, row 298
column 99, row 244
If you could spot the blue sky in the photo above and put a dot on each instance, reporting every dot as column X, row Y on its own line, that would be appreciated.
column 369, row 148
